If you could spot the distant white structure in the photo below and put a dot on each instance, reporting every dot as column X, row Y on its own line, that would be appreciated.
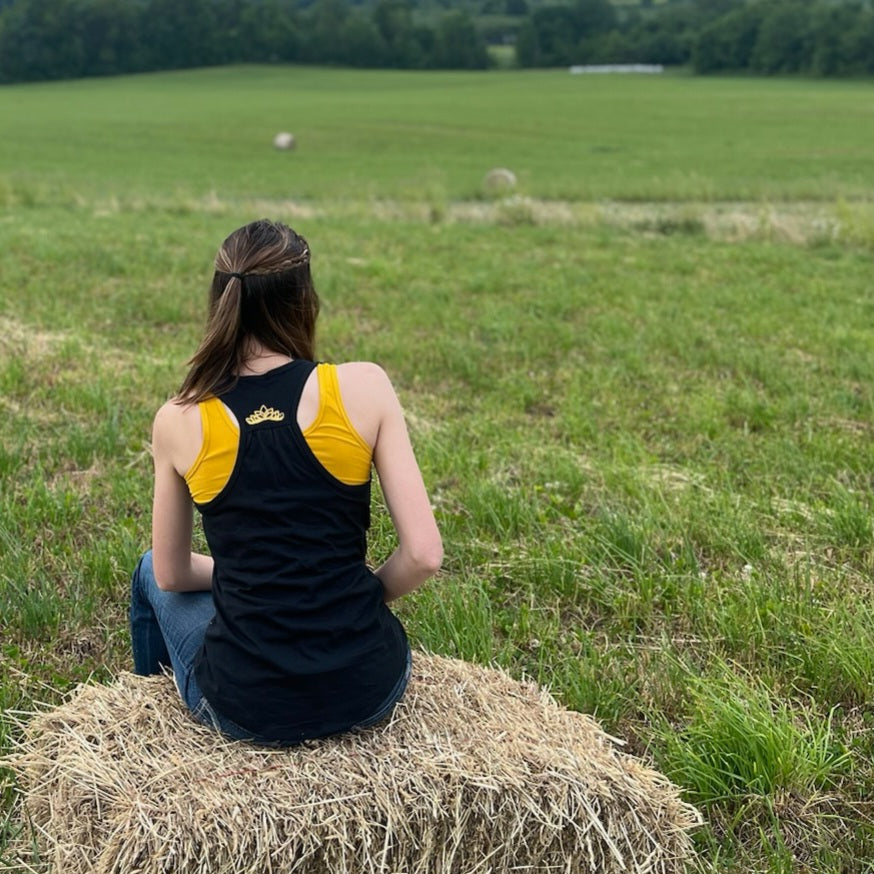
column 618, row 68
column 284, row 141
column 499, row 179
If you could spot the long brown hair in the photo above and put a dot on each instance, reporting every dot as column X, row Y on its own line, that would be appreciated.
column 261, row 291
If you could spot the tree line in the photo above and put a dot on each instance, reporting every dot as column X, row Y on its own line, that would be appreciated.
column 62, row 39
column 58, row 39
column 816, row 37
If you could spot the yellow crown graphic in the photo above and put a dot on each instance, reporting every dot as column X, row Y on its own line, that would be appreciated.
column 264, row 414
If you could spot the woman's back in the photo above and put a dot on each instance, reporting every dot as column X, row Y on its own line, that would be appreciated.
column 301, row 640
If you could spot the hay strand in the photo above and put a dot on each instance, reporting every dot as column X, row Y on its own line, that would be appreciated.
column 475, row 773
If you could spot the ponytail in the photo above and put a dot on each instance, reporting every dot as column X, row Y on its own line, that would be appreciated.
column 220, row 349
column 261, row 290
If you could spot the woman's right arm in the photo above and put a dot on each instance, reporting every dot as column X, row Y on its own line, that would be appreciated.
column 420, row 549
column 176, row 567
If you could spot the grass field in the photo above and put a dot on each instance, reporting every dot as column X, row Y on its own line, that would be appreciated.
column 371, row 134
column 640, row 390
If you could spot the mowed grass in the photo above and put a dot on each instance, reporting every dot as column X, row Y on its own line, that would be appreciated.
column 372, row 134
column 649, row 450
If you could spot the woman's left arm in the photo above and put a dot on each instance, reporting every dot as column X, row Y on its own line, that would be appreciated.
column 177, row 568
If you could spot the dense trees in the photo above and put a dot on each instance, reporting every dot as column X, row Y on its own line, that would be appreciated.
column 55, row 39
column 821, row 37
column 727, row 43
column 559, row 35
column 50, row 39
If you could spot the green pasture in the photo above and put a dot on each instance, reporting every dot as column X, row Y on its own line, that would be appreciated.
column 373, row 134
column 646, row 427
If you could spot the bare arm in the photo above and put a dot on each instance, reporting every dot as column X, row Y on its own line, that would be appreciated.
column 177, row 568
column 420, row 548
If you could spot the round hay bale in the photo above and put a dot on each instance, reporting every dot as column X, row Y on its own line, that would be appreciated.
column 474, row 772
column 284, row 141
column 499, row 180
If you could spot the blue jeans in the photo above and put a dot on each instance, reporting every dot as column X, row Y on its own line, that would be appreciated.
column 167, row 630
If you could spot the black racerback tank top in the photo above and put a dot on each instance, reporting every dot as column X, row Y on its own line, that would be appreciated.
column 302, row 644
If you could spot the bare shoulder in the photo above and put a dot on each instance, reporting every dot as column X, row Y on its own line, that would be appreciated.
column 176, row 432
column 166, row 418
column 172, row 414
column 364, row 373
column 368, row 397
column 364, row 380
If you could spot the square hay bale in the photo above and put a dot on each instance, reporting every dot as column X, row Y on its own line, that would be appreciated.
column 474, row 772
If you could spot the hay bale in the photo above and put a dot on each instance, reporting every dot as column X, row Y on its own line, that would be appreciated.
column 499, row 180
column 475, row 772
column 284, row 141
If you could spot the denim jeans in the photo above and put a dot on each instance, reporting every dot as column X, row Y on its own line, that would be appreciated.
column 167, row 630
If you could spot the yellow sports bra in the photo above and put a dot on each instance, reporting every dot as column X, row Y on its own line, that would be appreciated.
column 340, row 449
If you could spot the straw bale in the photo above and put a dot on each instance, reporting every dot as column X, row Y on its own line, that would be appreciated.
column 284, row 141
column 499, row 180
column 475, row 773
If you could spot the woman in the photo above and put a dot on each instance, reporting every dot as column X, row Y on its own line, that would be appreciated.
column 282, row 633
